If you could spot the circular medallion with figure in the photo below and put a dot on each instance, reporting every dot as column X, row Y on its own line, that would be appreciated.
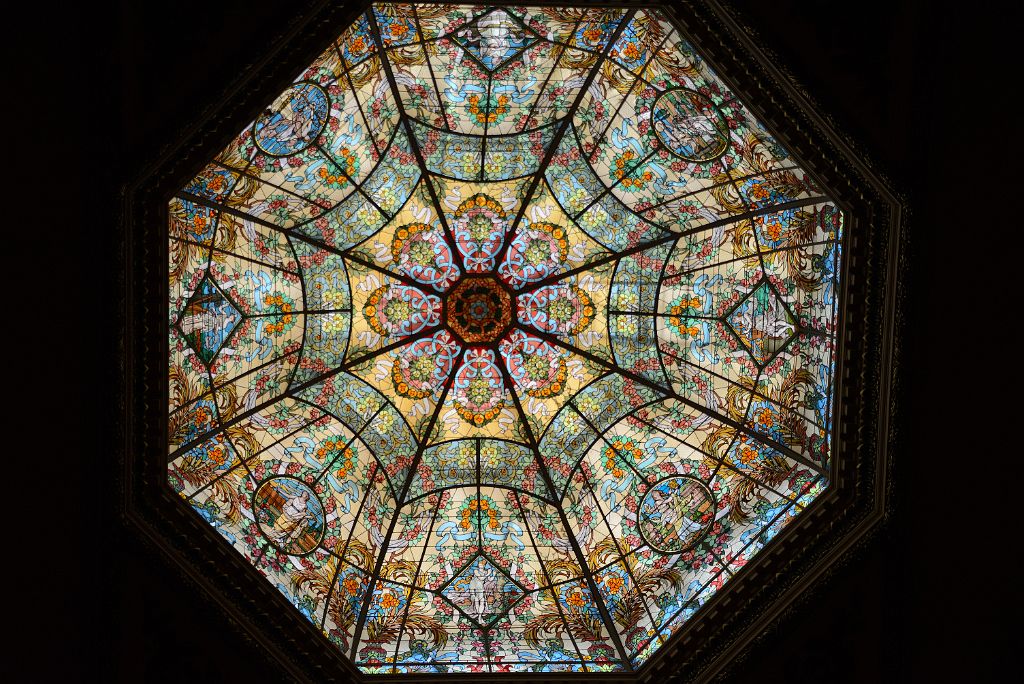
column 690, row 125
column 294, row 121
column 675, row 513
column 290, row 514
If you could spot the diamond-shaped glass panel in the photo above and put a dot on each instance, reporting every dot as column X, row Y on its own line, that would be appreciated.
column 208, row 320
column 762, row 323
column 482, row 591
column 495, row 38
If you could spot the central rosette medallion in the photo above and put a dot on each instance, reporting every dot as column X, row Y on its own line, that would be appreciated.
column 478, row 310
column 482, row 307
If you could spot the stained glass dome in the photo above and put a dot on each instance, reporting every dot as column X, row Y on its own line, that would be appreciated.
column 502, row 339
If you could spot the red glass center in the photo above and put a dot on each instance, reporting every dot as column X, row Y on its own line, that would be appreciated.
column 478, row 310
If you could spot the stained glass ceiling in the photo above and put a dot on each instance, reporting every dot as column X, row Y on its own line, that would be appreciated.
column 502, row 338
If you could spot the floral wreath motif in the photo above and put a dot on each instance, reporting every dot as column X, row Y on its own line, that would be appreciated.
column 282, row 304
column 417, row 374
column 536, row 252
column 340, row 455
column 678, row 311
column 400, row 310
column 349, row 161
column 618, row 452
column 631, row 179
column 479, row 225
column 494, row 318
column 534, row 364
column 491, row 111
column 420, row 252
column 479, row 388
column 558, row 309
column 477, row 508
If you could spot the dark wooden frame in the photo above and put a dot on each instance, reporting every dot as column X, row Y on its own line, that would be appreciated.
column 751, row 603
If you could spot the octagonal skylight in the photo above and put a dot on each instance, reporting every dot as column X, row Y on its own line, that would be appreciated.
column 502, row 338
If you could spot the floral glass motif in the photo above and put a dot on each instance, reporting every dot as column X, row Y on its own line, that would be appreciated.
column 502, row 339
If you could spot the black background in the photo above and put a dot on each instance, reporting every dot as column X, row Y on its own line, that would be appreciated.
column 919, row 85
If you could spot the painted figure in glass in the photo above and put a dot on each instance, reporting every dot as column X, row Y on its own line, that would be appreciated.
column 290, row 514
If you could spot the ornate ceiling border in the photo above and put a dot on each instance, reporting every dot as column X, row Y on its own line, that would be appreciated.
column 751, row 604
